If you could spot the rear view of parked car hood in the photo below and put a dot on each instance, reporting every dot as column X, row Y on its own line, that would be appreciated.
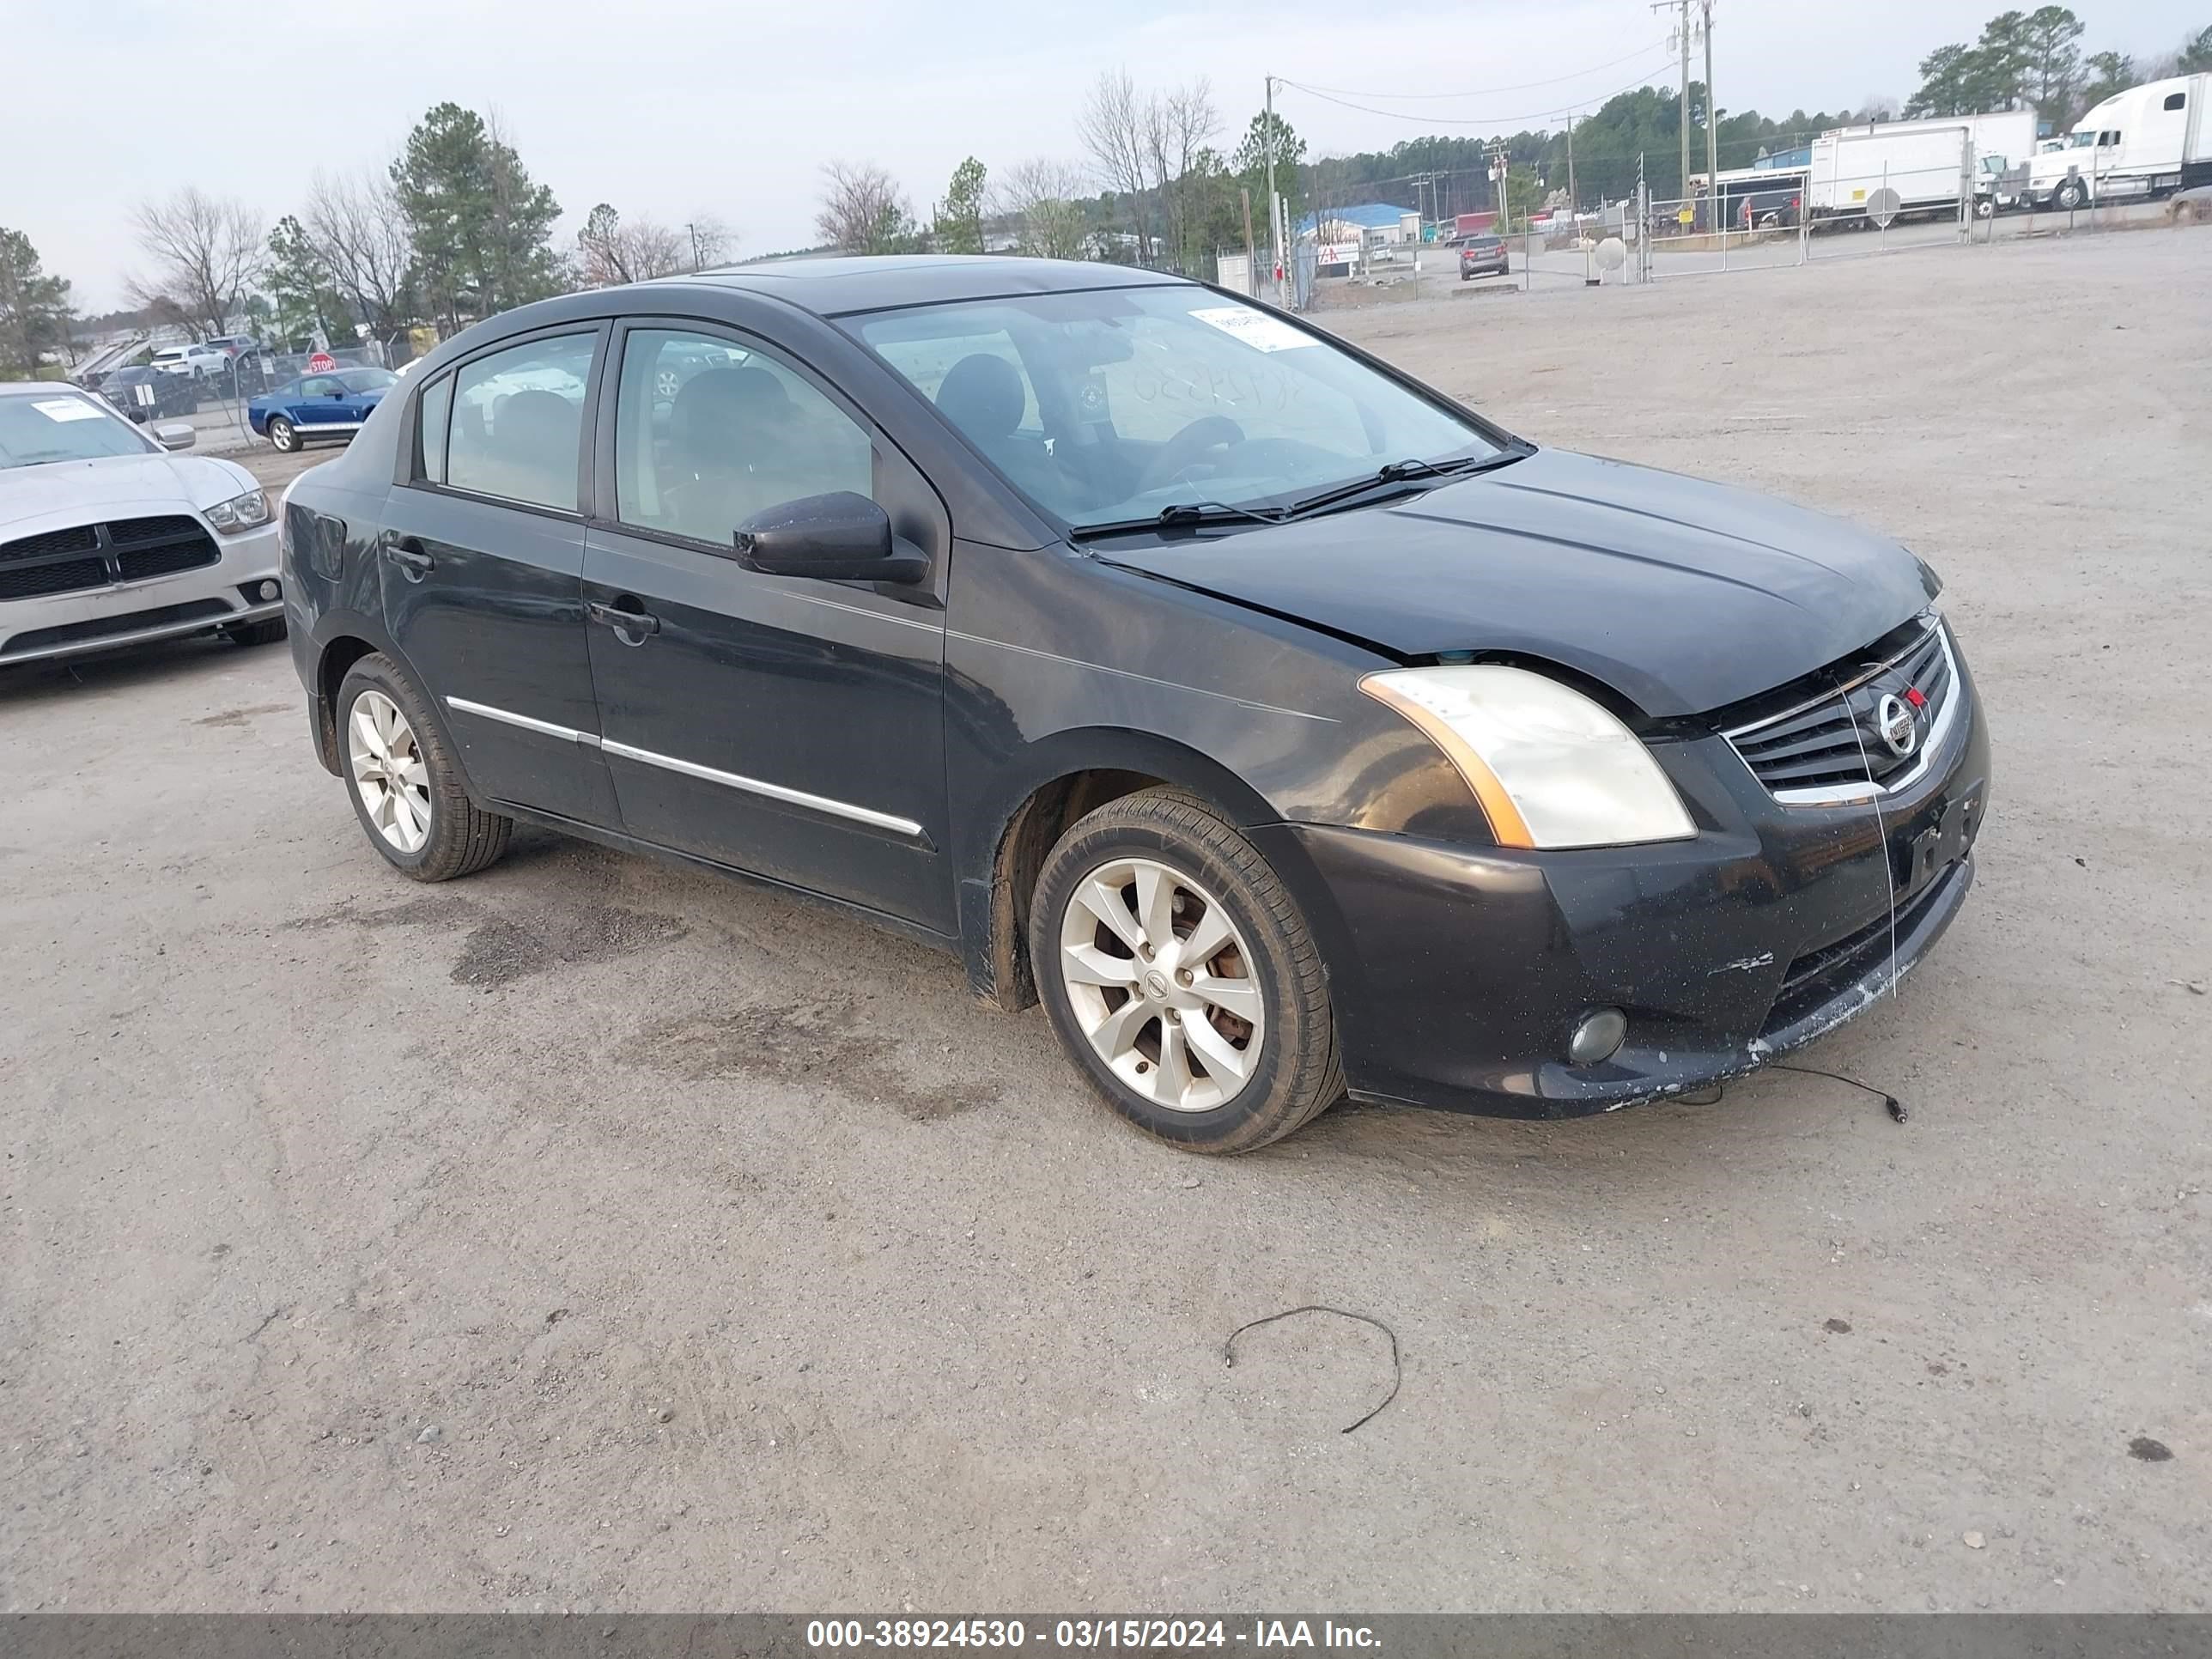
column 1682, row 595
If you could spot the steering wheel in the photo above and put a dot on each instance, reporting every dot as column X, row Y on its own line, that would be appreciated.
column 1182, row 451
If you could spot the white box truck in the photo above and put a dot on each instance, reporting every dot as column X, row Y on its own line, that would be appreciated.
column 1924, row 162
column 2150, row 140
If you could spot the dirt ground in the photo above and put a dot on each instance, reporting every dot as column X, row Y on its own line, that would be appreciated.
column 593, row 1235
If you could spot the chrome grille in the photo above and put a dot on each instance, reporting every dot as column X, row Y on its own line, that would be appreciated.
column 1868, row 735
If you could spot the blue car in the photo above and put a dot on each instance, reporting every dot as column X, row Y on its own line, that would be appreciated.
column 331, row 406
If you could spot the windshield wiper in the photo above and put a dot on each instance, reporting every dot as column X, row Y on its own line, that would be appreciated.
column 1181, row 515
column 1401, row 472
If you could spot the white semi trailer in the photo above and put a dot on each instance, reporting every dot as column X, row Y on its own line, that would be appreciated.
column 2150, row 140
column 1927, row 164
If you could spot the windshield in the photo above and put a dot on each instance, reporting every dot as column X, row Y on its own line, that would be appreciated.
column 1113, row 404
column 2082, row 140
column 368, row 380
column 39, row 426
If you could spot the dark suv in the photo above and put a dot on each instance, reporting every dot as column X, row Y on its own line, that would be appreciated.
column 1286, row 728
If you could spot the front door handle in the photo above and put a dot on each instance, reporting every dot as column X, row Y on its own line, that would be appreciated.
column 626, row 623
column 407, row 553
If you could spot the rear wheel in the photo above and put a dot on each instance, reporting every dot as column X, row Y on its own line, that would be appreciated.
column 283, row 433
column 1180, row 976
column 405, row 785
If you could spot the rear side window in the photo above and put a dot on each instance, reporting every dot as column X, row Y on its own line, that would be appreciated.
column 515, row 420
column 2175, row 100
column 433, row 414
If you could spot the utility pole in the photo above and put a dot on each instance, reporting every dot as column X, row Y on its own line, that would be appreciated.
column 1274, row 222
column 1712, row 127
column 1574, row 201
column 1501, row 167
column 1682, row 45
column 1251, row 254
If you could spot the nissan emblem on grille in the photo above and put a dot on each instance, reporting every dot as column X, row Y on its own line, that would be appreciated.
column 1894, row 719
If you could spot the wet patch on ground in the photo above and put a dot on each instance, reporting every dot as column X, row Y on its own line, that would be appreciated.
column 802, row 1043
column 241, row 716
column 504, row 946
column 508, row 947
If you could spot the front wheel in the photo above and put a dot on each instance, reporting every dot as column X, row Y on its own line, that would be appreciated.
column 2069, row 195
column 406, row 787
column 283, row 433
column 1180, row 976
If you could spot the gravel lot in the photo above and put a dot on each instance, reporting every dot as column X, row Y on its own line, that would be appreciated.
column 591, row 1234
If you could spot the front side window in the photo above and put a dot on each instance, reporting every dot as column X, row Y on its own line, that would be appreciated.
column 1147, row 398
column 708, row 432
column 2175, row 100
column 517, row 420
column 318, row 385
column 39, row 426
column 368, row 380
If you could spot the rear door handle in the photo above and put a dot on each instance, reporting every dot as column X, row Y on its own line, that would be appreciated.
column 407, row 553
column 623, row 620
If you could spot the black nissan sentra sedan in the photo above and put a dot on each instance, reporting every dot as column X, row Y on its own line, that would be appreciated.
column 1284, row 728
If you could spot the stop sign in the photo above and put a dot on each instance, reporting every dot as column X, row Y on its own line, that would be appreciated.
column 321, row 363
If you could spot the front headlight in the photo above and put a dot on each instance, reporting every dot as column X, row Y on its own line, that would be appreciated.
column 1551, row 768
column 239, row 512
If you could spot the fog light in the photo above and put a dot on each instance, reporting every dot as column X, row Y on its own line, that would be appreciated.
column 1597, row 1034
column 267, row 591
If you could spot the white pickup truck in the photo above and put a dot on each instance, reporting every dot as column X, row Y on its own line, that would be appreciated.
column 2150, row 140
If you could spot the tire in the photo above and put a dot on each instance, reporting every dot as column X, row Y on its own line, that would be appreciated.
column 1985, row 208
column 283, row 433
column 267, row 631
column 2069, row 195
column 1193, row 860
column 458, row 839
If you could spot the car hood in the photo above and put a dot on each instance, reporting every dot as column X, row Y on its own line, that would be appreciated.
column 63, row 493
column 1682, row 595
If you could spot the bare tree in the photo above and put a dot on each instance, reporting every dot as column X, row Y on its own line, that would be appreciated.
column 711, row 241
column 609, row 252
column 1045, row 199
column 205, row 250
column 355, row 227
column 863, row 210
column 1114, row 126
column 1176, row 125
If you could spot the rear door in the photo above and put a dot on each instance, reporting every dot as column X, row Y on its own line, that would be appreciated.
column 788, row 727
column 483, row 551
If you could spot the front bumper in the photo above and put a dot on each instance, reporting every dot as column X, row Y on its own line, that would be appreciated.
column 1458, row 973
column 132, row 613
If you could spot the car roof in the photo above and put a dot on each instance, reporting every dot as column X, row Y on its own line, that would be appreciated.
column 37, row 388
column 835, row 287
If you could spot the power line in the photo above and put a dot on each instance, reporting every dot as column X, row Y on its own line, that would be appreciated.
column 1485, row 92
column 1494, row 122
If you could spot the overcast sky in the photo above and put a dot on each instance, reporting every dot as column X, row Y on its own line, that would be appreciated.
column 674, row 107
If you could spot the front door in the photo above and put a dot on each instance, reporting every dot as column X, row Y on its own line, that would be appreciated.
column 320, row 404
column 788, row 727
column 482, row 557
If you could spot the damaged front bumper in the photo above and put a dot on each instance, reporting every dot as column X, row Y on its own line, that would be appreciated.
column 1458, row 974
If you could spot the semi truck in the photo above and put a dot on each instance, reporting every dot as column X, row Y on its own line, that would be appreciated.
column 1926, row 163
column 2150, row 140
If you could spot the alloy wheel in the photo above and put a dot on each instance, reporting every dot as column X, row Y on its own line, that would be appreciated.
column 389, row 772
column 1162, row 984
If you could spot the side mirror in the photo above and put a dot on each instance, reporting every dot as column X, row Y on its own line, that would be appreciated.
column 337, row 394
column 176, row 435
column 840, row 537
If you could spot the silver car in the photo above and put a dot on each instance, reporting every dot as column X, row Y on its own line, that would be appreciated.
column 107, row 539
